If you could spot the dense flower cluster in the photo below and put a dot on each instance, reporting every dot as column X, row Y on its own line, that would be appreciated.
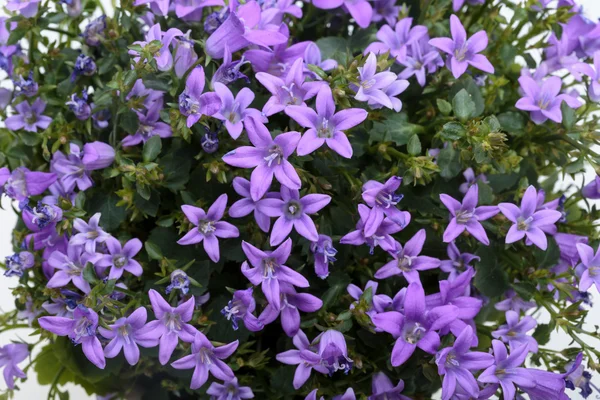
column 280, row 136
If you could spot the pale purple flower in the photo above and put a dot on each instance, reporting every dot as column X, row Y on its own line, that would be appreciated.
column 393, row 90
column 567, row 244
column 191, row 10
column 208, row 227
column 268, row 270
column 324, row 125
column 360, row 10
column 324, row 253
column 457, row 4
column 312, row 56
column 471, row 180
column 120, row 258
column 63, row 307
column 527, row 222
column 347, row 395
column 269, row 157
column 293, row 212
column 589, row 269
column 241, row 307
column 74, row 169
column 26, row 86
column 592, row 189
column 164, row 58
column 578, row 377
column 125, row 334
column 229, row 390
column 159, row 7
column 150, row 98
column 382, row 236
column 593, row 72
column 457, row 364
column 379, row 302
column 371, row 84
column 384, row 389
column 246, row 205
column 467, row 216
column 515, row 331
column 29, row 117
column 514, row 302
column 234, row 110
column 278, row 59
column 333, row 351
column 229, row 70
column 79, row 106
column 543, row 100
column 207, row 358
column 407, row 260
column 5, row 98
column 185, row 56
column 17, row 263
column 69, row 267
column 193, row 104
column 385, row 10
column 383, row 199
column 305, row 357
column 416, row 327
column 170, row 325
column 458, row 261
column 81, row 329
column 149, row 126
column 27, row 8
column 397, row 40
column 10, row 356
column 89, row 234
column 463, row 52
column 29, row 312
column 179, row 281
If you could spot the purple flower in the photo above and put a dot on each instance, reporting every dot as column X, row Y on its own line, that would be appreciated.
column 180, row 281
column 10, row 356
column 26, row 86
column 229, row 390
column 242, row 28
column 383, row 198
column 269, row 156
column 269, row 270
column 170, row 325
column 578, row 377
column 147, row 98
column 305, row 357
column 291, row 304
column 385, row 10
column 100, row 117
column 458, row 261
column 457, row 4
column 84, row 65
column 594, row 74
column 324, row 254
column 515, row 332
column 17, row 263
column 293, row 212
column 407, row 261
column 461, row 51
column 383, row 389
column 125, row 334
column 514, row 302
column 543, row 100
column 457, row 364
column 81, row 329
column 120, row 258
column 63, row 307
column 398, row 39
column 241, row 307
column 360, row 10
column 592, row 189
column 325, row 126
column 467, row 216
column 246, row 205
column 164, row 59
column 382, row 236
column 416, row 327
column 185, row 56
column 69, row 267
column 149, row 126
column 29, row 312
column 208, row 227
column 379, row 302
column 229, row 70
column 29, row 117
column 277, row 61
column 210, row 141
column 372, row 85
column 159, row 7
column 589, row 269
column 527, row 222
column 192, row 10
column 74, row 169
column 312, row 56
column 89, row 234
column 471, row 180
column 93, row 33
column 234, row 110
column 27, row 8
column 207, row 358
column 193, row 103
column 333, row 351
column 79, row 106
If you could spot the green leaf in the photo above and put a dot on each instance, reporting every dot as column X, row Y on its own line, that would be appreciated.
column 143, row 191
column 463, row 106
column 449, row 162
column 153, row 251
column 444, row 107
column 129, row 121
column 414, row 145
column 106, row 204
column 543, row 331
column 491, row 279
column 486, row 195
column 335, row 48
column 549, row 257
column 568, row 115
column 152, row 148
column 512, row 122
column 453, row 131
column 395, row 128
column 89, row 273
column 466, row 82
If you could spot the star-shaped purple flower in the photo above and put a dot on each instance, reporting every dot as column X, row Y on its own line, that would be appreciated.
column 515, row 331
column 193, row 104
column 120, row 258
column 69, row 267
column 29, row 117
column 384, row 199
column 305, row 357
column 372, row 84
column 589, row 269
column 89, row 233
column 234, row 110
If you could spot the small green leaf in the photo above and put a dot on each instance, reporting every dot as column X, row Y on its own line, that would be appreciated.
column 444, row 107
column 89, row 274
column 453, row 131
column 153, row 251
column 152, row 148
column 463, row 106
column 449, row 162
column 414, row 145
column 568, row 115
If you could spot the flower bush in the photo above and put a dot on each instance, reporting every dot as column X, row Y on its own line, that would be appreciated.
column 339, row 199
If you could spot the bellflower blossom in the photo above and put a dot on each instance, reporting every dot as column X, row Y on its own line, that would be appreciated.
column 592, row 189
column 120, row 258
column 385, row 10
column 305, row 357
column 360, row 10
column 268, row 156
column 333, row 351
column 324, row 125
column 29, row 117
column 457, row 4
column 164, row 58
column 578, row 377
column 384, row 389
column 407, row 261
column 84, row 65
column 324, row 253
column 88, row 234
column 416, row 327
column 246, row 205
column 515, row 332
column 234, row 110
column 593, row 72
column 312, row 56
column 180, row 281
column 588, row 270
column 268, row 270
column 513, row 302
column 10, row 357
column 26, row 86
column 210, row 141
column 93, row 33
column 458, row 261
column 241, row 307
column 379, row 302
column 191, row 11
column 149, row 98
column 208, row 227
column 207, row 358
column 397, row 40
column 229, row 390
column 229, row 70
column 277, row 61
column 382, row 197
column 543, row 100
column 293, row 212
column 17, row 263
column 382, row 236
column 149, row 126
column 170, row 325
column 527, row 222
column 79, row 106
column 471, row 180
column 371, row 84
column 193, row 104
column 75, row 168
column 463, row 52
column 27, row 8
column 69, row 267
column 185, row 56
column 467, row 216
column 124, row 335
column 81, row 329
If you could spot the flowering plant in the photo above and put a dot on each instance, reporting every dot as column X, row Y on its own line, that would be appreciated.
column 383, row 178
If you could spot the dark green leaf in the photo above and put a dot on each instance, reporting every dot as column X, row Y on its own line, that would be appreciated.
column 449, row 162
column 152, row 148
column 414, row 145
column 453, row 131
column 491, row 279
column 444, row 107
column 463, row 106
column 153, row 251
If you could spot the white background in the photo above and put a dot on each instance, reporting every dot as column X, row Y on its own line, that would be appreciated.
column 31, row 390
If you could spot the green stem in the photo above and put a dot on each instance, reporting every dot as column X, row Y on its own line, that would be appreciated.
column 61, row 31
